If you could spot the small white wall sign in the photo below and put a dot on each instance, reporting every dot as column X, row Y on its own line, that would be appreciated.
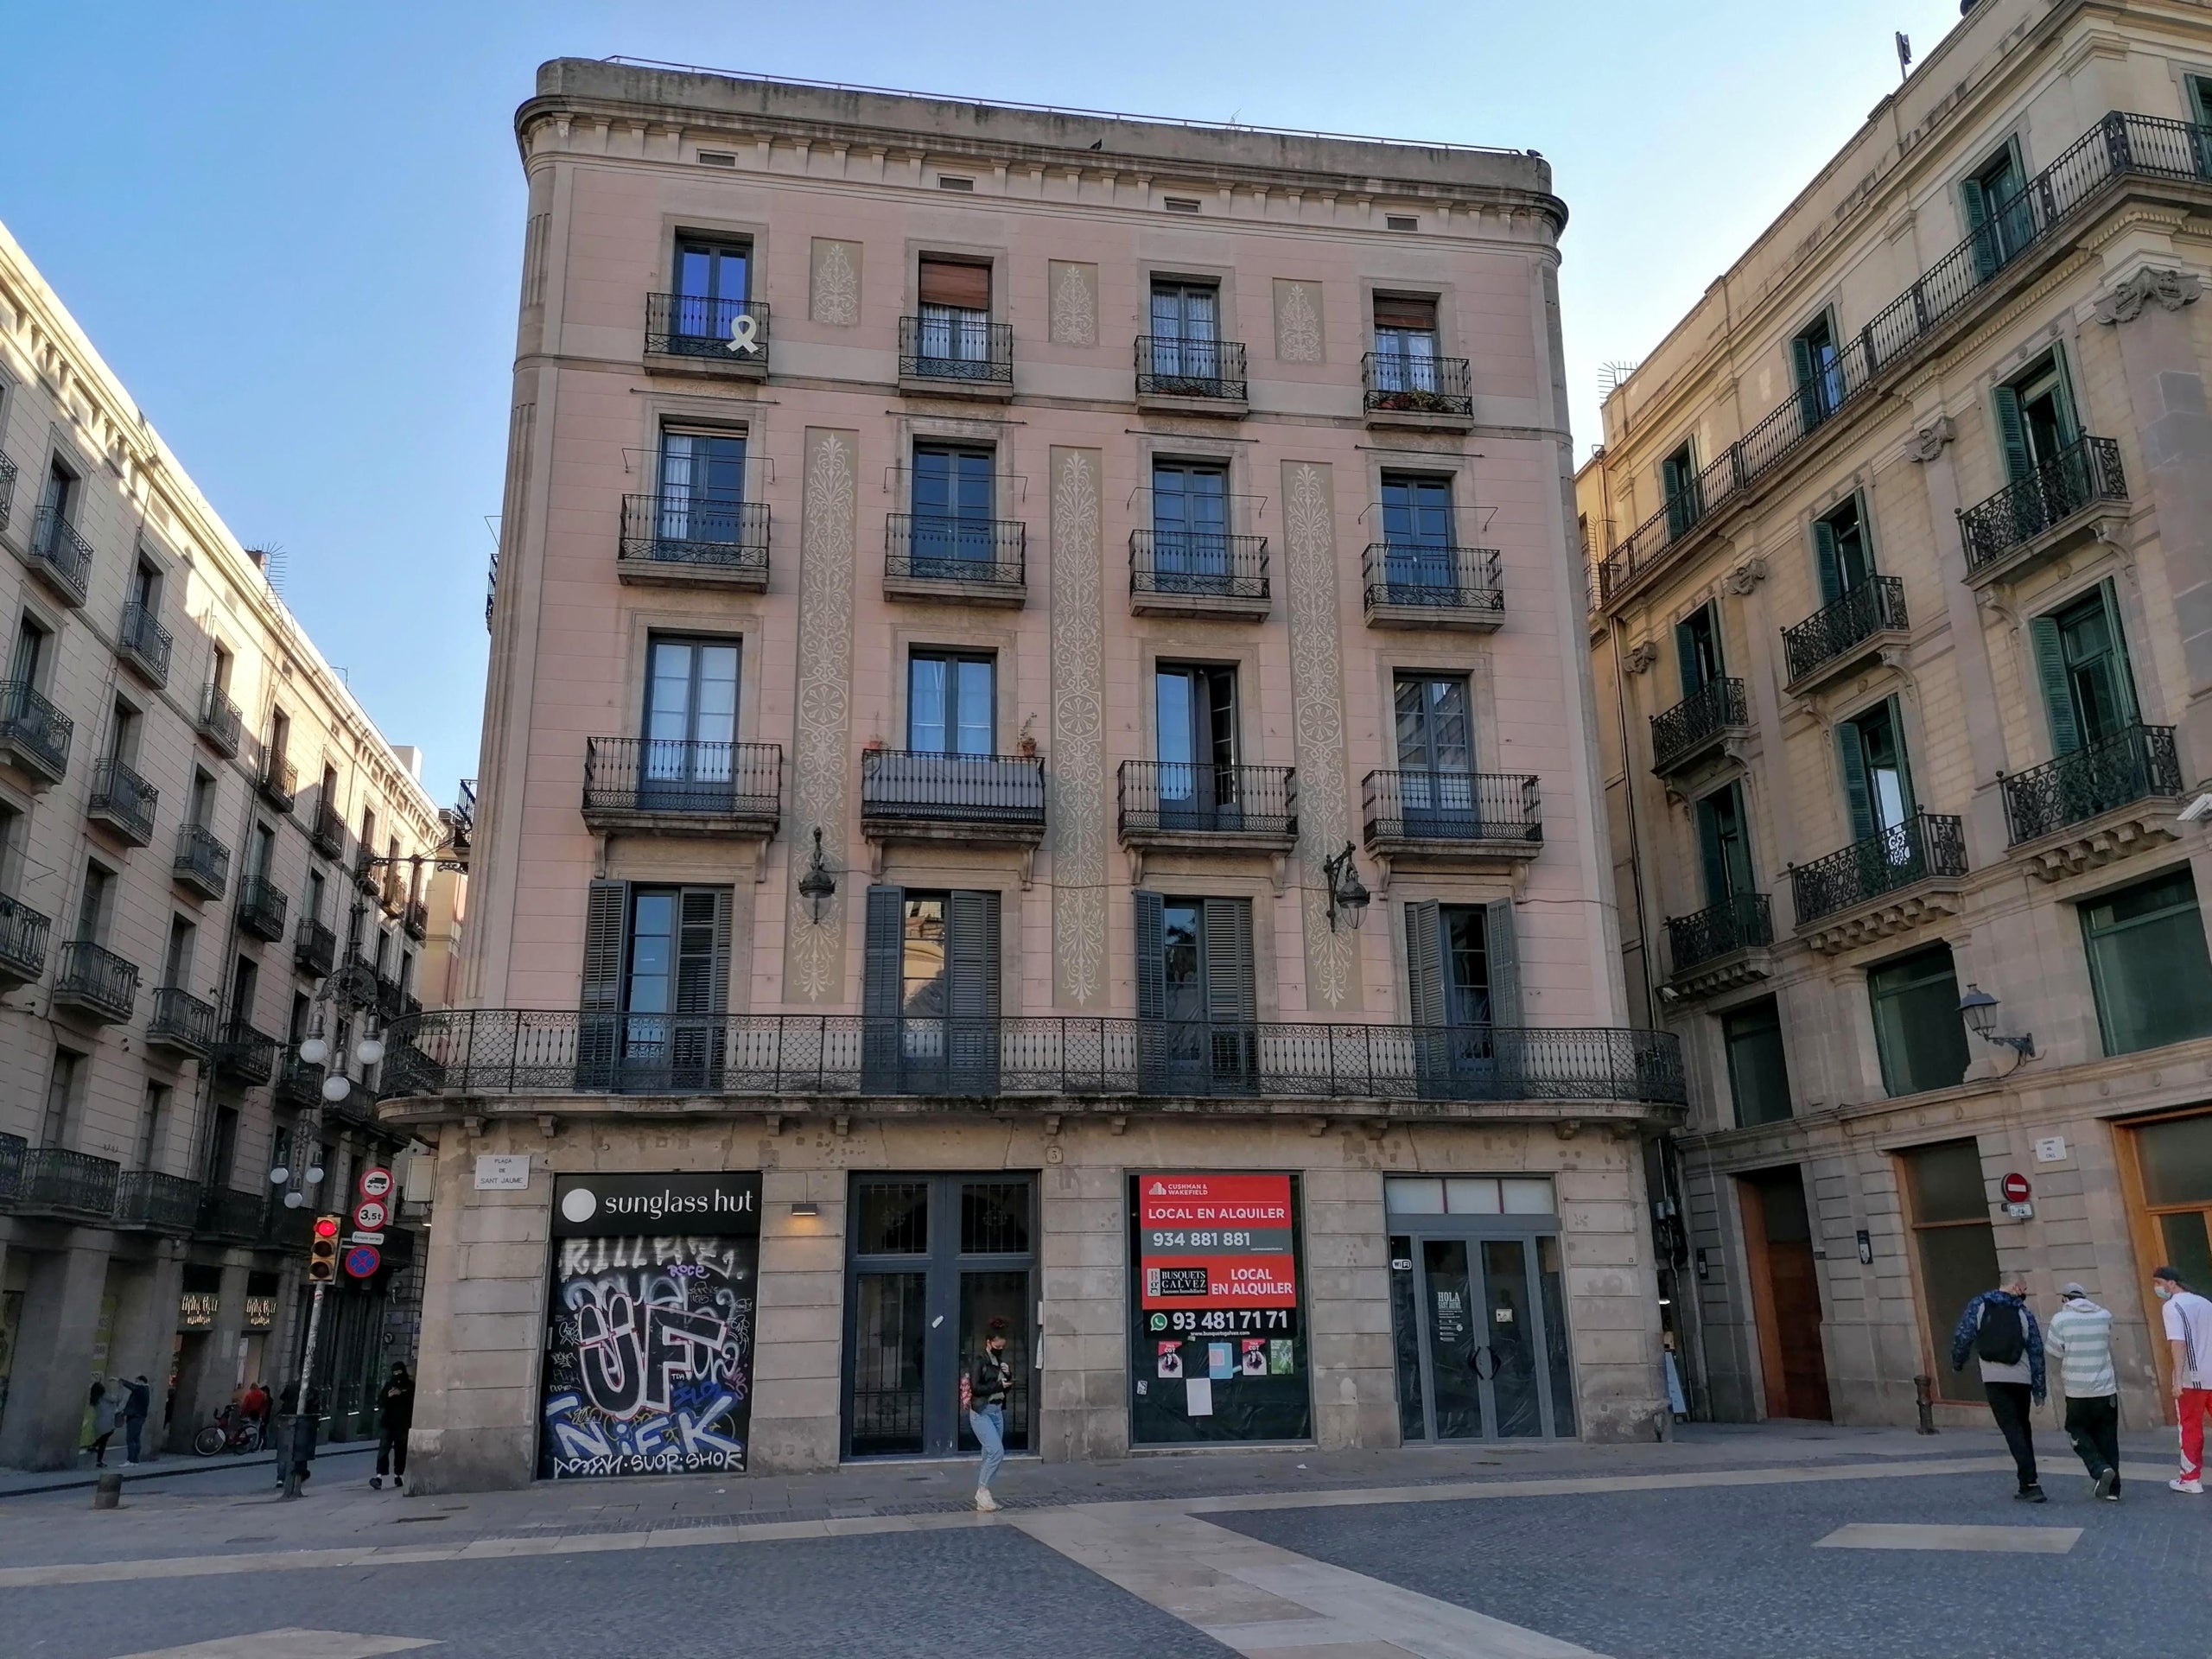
column 499, row 1171
column 2051, row 1150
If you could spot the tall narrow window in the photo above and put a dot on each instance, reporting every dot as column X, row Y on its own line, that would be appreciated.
column 951, row 703
column 1917, row 1030
column 317, row 895
column 123, row 735
column 1195, row 991
column 64, row 1084
column 1678, row 485
column 701, row 494
column 712, row 285
column 96, row 904
column 1419, row 536
column 1845, row 561
column 1464, row 984
column 955, row 314
column 57, row 506
column 1758, row 1072
column 931, row 994
column 1817, row 367
column 953, row 504
column 671, row 989
column 1723, row 844
column 1948, row 1203
column 176, row 962
column 1189, row 527
column 1186, row 332
column 1999, row 214
column 1195, row 706
column 2036, row 427
column 218, row 671
column 1405, row 343
column 246, row 986
column 261, row 852
column 1697, row 651
column 30, row 661
column 223, row 1147
column 146, row 590
column 153, row 1126
column 368, row 832
column 202, row 803
column 690, row 724
column 280, row 741
column 2148, row 965
column 1436, row 755
column 2088, row 692
column 1877, row 781
column 11, row 847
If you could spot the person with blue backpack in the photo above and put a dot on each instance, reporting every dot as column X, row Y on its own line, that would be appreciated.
column 1999, row 1332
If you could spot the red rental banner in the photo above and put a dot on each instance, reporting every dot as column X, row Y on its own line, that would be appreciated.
column 1215, row 1242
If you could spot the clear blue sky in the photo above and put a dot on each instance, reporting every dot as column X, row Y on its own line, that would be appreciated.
column 294, row 230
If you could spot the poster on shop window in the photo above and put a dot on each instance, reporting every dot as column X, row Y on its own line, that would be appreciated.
column 649, row 1348
column 1219, row 1348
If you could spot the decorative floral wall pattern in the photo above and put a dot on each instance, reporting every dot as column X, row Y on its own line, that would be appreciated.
column 1074, row 304
column 814, row 954
column 836, row 282
column 1316, row 686
column 1298, row 322
column 1078, row 774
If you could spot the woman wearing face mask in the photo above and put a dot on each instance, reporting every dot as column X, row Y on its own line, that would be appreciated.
column 2189, row 1339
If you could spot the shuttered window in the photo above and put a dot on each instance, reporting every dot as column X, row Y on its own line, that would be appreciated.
column 655, row 986
column 1840, row 552
column 1405, row 311
column 1462, row 965
column 1877, row 781
column 1197, row 993
column 2081, row 660
column 1724, row 843
column 960, row 284
column 930, row 991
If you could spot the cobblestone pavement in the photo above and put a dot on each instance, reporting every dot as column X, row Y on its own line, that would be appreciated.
column 1707, row 1547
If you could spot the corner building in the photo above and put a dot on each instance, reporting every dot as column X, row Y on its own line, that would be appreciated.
column 990, row 598
column 1902, row 547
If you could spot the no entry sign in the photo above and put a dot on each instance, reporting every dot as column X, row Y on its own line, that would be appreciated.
column 2016, row 1189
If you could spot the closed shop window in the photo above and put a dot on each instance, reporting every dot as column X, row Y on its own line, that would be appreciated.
column 2148, row 965
column 1758, row 1073
column 1956, row 1248
column 1917, row 1026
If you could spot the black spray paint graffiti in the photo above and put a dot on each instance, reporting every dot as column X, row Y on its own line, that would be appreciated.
column 649, row 1368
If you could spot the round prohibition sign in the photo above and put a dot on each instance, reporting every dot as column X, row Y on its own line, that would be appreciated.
column 368, row 1215
column 376, row 1183
column 363, row 1259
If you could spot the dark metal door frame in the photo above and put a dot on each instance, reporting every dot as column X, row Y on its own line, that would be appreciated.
column 1474, row 1231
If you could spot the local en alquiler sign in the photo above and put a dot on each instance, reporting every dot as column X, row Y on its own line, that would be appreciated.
column 1215, row 1253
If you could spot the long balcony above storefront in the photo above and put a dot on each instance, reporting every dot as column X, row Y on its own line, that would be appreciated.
column 1883, row 884
column 1411, row 586
column 1415, row 1068
column 989, row 800
column 955, row 561
column 2058, row 507
column 67, row 1185
column 1993, row 258
column 663, row 786
column 1838, row 637
column 34, row 734
column 1721, row 946
column 2103, row 801
column 690, row 540
column 147, row 1201
column 698, row 334
column 230, row 1214
column 24, row 933
column 1700, row 723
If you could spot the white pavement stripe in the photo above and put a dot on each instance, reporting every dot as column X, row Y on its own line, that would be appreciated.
column 1217, row 1580
column 2020, row 1540
column 291, row 1644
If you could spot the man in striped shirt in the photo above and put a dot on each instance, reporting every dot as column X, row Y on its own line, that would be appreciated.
column 2081, row 1334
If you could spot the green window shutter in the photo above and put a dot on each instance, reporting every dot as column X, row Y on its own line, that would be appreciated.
column 1801, row 361
column 1686, row 656
column 972, row 998
column 2057, row 695
column 1424, row 962
column 2013, row 435
column 2123, row 671
column 1739, row 850
column 1977, row 204
column 1231, row 994
column 1503, row 955
column 1152, row 957
column 1905, row 760
column 1988, row 250
column 1857, row 797
column 882, row 988
column 1824, row 556
column 1709, row 848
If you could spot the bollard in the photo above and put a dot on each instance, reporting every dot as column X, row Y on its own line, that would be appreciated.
column 1922, row 1388
column 107, row 1491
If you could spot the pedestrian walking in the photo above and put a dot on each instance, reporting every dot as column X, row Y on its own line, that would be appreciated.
column 2081, row 1334
column 295, row 1433
column 395, row 1406
column 2189, row 1340
column 137, row 1403
column 104, row 1406
column 1999, row 1334
column 986, row 1386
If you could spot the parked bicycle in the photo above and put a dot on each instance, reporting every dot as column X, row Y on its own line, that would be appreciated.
column 231, row 1432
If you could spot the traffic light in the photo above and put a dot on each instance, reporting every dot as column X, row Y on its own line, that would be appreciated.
column 323, row 1250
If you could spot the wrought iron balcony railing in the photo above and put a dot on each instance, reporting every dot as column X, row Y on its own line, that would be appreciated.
column 686, row 534
column 366, row 880
column 913, row 785
column 1462, row 806
column 1168, row 367
column 1442, row 580
column 245, row 1055
column 1926, row 844
column 282, row 1228
column 314, row 946
column 300, row 1084
column 123, row 798
column 957, row 349
column 659, row 775
column 1199, row 564
column 144, row 643
column 1875, row 606
column 278, row 781
column 326, row 835
column 415, row 920
column 60, row 554
column 1684, row 730
column 202, row 862
column 732, row 331
column 58, row 1182
column 2122, row 146
column 181, row 1021
column 2086, row 473
column 391, row 897
column 505, row 1050
column 36, row 732
column 1178, row 797
column 262, row 907
column 227, row 1213
column 1742, row 921
column 148, row 1201
column 95, row 979
column 7, row 487
column 1401, row 384
column 24, row 934
column 2137, row 763
column 980, row 554
column 12, row 1150
column 220, row 722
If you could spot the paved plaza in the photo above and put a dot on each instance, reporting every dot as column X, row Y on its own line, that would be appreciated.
column 1724, row 1543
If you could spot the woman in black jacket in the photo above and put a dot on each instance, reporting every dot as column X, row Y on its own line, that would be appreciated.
column 988, row 1380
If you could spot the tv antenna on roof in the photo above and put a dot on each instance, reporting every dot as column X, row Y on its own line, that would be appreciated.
column 1905, row 55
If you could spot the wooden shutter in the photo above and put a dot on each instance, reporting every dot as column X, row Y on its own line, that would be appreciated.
column 1801, row 361
column 2057, row 696
column 606, row 909
column 1424, row 962
column 1905, row 760
column 882, row 988
column 1825, row 557
column 1715, row 859
column 1685, row 655
column 1988, row 253
column 2013, row 434
column 1151, row 956
column 1232, row 997
column 2123, row 671
column 1501, row 951
column 701, row 971
column 1405, row 311
column 1857, row 797
column 959, row 284
column 1736, row 856
column 972, row 991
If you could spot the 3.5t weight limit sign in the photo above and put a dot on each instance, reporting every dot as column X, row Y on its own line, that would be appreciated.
column 1217, row 1253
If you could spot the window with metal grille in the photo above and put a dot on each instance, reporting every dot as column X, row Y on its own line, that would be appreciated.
column 1180, row 204
column 1400, row 222
column 948, row 181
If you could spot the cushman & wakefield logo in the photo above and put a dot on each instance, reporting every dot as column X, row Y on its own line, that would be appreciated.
column 720, row 1202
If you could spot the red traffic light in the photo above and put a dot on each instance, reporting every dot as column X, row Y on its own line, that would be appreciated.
column 326, row 1226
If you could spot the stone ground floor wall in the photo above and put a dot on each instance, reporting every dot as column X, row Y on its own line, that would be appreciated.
column 1875, row 1329
column 484, row 1311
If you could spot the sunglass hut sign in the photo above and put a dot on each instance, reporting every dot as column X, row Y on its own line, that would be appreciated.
column 721, row 1203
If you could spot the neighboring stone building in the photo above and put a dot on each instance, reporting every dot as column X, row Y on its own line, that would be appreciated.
column 1904, row 546
column 186, row 791
column 919, row 733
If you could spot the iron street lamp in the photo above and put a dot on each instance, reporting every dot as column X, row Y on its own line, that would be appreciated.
column 1979, row 1009
column 1348, row 895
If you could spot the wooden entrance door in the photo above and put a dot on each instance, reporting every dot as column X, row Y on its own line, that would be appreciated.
column 1786, row 1294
